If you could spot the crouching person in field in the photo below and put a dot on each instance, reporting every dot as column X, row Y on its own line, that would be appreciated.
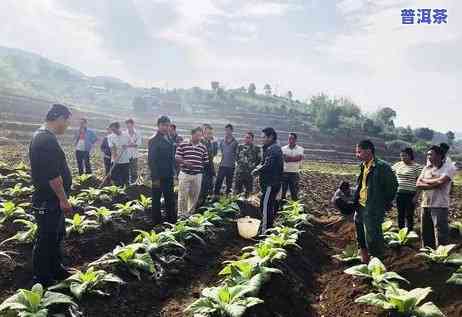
column 435, row 182
column 377, row 186
column 343, row 199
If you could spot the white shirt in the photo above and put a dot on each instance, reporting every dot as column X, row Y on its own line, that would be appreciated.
column 118, row 141
column 135, row 139
column 437, row 197
column 293, row 167
column 80, row 145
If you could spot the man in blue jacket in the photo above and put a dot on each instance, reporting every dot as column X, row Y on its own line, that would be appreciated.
column 161, row 161
column 270, row 176
column 84, row 139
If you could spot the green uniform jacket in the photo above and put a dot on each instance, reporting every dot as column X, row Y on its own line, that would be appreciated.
column 381, row 189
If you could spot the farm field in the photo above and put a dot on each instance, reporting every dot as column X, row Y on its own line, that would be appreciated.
column 310, row 282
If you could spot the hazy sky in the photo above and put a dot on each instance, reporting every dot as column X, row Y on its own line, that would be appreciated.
column 354, row 48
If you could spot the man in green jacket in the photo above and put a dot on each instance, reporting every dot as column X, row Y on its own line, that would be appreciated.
column 377, row 185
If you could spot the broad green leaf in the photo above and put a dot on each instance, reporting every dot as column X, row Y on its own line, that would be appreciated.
column 428, row 310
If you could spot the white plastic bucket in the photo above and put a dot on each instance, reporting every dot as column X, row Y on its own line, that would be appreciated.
column 248, row 227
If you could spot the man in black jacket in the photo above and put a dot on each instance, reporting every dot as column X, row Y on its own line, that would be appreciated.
column 161, row 160
column 52, row 182
column 270, row 176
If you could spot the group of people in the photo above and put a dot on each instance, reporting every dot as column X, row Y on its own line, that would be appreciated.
column 119, row 149
column 380, row 184
column 169, row 157
column 193, row 162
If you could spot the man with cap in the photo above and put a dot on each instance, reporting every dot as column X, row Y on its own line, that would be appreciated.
column 52, row 182
column 161, row 160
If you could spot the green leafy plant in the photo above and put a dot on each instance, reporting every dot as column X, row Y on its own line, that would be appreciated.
column 377, row 272
column 9, row 211
column 350, row 254
column 226, row 207
column 91, row 195
column 144, row 203
column 182, row 231
column 154, row 242
column 34, row 302
column 102, row 214
column 19, row 191
column 400, row 238
column 263, row 253
column 129, row 258
column 89, row 282
column 441, row 255
column 457, row 225
column 80, row 224
column 224, row 301
column 126, row 210
column 456, row 277
column 387, row 226
column 114, row 191
column 5, row 254
column 405, row 303
column 26, row 236
column 75, row 201
column 246, row 272
column 20, row 176
column 83, row 180
column 293, row 215
column 199, row 221
column 283, row 237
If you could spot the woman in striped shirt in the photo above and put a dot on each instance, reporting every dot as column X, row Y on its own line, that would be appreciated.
column 407, row 171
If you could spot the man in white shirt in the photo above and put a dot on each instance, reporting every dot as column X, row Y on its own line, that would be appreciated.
column 118, row 142
column 135, row 142
column 293, row 159
column 435, row 182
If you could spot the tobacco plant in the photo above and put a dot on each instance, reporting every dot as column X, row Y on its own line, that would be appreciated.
column 26, row 236
column 441, row 255
column 80, row 224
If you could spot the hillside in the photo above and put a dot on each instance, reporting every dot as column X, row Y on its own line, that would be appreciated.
column 329, row 126
column 31, row 74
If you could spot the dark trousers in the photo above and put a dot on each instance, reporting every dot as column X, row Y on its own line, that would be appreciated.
column 165, row 187
column 47, row 253
column 435, row 227
column 268, row 205
column 244, row 181
column 224, row 172
column 133, row 170
column 290, row 181
column 406, row 207
column 107, row 165
column 83, row 160
column 369, row 232
column 120, row 174
column 206, row 187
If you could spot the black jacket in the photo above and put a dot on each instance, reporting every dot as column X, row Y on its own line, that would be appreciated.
column 273, row 165
column 161, row 157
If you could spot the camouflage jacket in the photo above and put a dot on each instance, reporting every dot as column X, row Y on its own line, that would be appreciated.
column 248, row 157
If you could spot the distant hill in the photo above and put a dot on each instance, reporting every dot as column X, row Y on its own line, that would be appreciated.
column 31, row 74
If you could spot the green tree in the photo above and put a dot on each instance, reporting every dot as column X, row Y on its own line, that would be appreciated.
column 267, row 90
column 252, row 89
column 406, row 134
column 424, row 133
column 370, row 127
column 215, row 85
column 387, row 116
column 451, row 137
column 289, row 94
